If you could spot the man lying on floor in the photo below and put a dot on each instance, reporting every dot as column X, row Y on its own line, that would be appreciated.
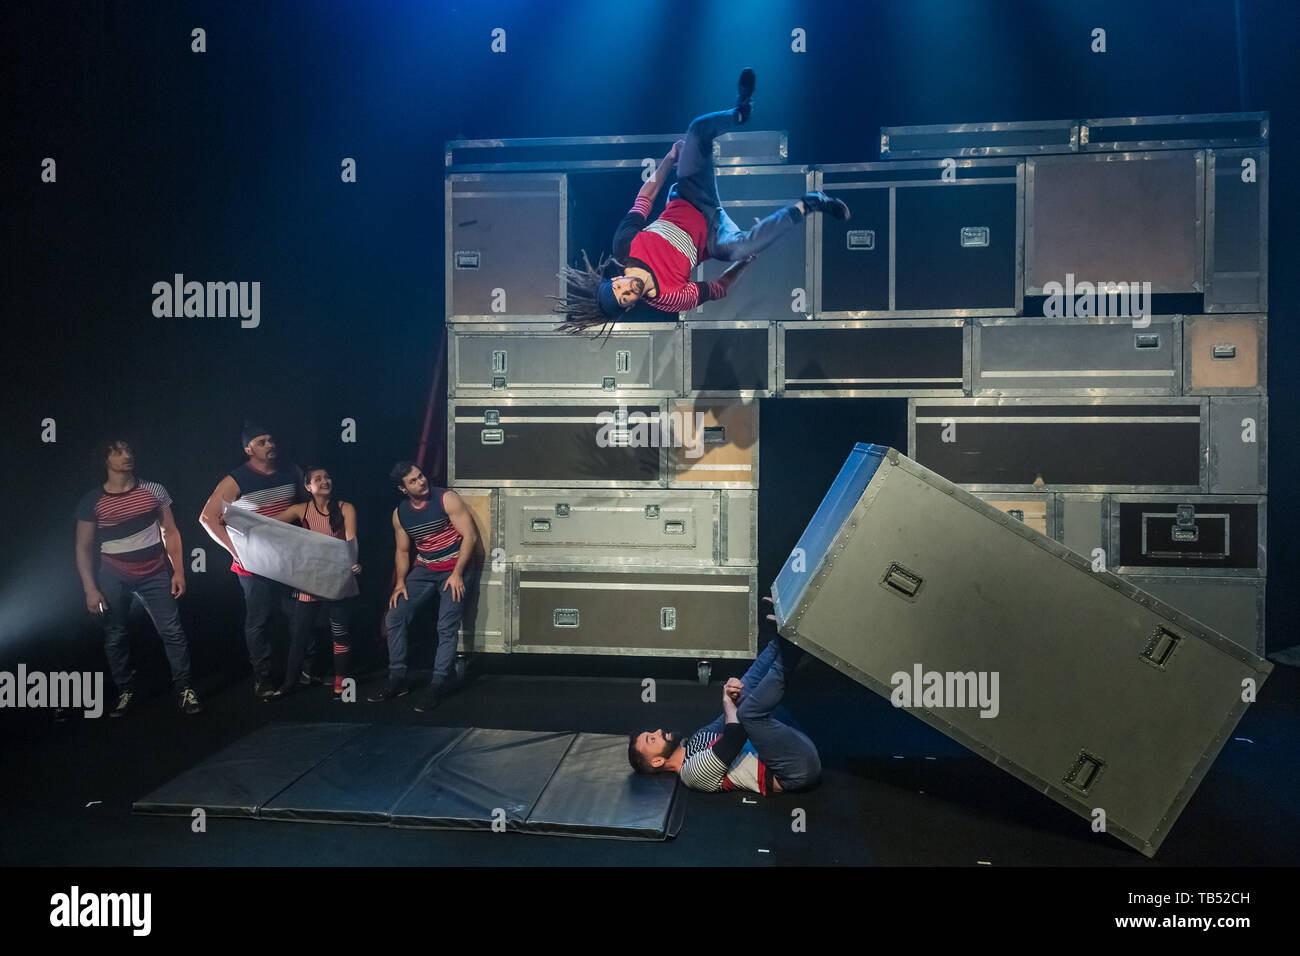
column 745, row 748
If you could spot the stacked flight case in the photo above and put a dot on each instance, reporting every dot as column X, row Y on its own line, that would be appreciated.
column 617, row 475
column 1120, row 406
column 1075, row 310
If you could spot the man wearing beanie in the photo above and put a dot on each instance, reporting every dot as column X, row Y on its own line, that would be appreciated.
column 263, row 485
column 653, row 263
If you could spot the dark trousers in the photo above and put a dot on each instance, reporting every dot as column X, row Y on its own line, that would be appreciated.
column 302, row 640
column 260, row 597
column 697, row 184
column 422, row 586
column 787, row 752
column 155, row 593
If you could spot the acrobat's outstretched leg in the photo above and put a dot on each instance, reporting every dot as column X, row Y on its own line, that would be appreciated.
column 697, row 184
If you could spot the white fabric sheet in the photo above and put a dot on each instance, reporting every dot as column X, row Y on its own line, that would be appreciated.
column 303, row 559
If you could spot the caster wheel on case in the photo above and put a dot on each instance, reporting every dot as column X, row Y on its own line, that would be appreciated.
column 705, row 671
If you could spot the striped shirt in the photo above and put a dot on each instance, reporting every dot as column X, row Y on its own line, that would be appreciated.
column 724, row 761
column 313, row 520
column 669, row 249
column 266, row 494
column 127, row 527
column 435, row 538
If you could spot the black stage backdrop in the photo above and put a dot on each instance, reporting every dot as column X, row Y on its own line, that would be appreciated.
column 227, row 165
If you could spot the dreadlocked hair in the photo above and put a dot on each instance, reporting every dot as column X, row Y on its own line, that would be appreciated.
column 580, row 304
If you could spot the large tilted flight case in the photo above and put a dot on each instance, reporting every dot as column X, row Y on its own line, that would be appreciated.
column 1108, row 699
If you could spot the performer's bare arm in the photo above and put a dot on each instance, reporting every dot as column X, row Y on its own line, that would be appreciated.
column 463, row 522
column 86, row 565
column 293, row 513
column 656, row 182
column 350, row 527
column 171, row 536
column 210, row 517
column 402, row 561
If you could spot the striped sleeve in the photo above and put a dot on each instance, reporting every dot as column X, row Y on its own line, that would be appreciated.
column 683, row 300
column 703, row 771
column 159, row 493
column 641, row 206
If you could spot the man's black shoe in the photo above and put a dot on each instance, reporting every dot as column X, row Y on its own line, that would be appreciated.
column 189, row 701
column 263, row 687
column 820, row 202
column 430, row 698
column 744, row 97
column 390, row 691
column 125, row 701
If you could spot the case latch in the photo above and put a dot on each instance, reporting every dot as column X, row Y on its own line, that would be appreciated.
column 1084, row 773
column 1185, row 530
column 901, row 581
column 1160, row 648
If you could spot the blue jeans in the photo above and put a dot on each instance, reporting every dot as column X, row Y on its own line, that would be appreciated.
column 787, row 752
column 260, row 596
column 698, row 185
column 155, row 593
column 421, row 586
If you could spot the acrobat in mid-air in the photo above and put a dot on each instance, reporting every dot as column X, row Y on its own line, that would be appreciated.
column 653, row 263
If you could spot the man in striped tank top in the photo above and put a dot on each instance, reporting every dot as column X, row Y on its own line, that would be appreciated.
column 434, row 524
column 263, row 485
column 746, row 747
column 653, row 263
column 140, row 555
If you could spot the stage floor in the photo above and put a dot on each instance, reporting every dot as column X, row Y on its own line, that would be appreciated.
column 894, row 792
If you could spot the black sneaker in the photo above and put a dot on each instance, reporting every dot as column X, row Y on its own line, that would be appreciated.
column 430, row 698
column 125, row 701
column 744, row 97
column 306, row 679
column 390, row 691
column 263, row 688
column 820, row 202
column 189, row 701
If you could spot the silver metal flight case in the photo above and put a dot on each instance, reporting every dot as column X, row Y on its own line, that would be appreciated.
column 1107, row 700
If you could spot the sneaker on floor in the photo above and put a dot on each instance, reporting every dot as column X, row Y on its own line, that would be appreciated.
column 429, row 699
column 263, row 688
column 306, row 679
column 745, row 96
column 820, row 202
column 189, row 701
column 390, row 691
column 125, row 701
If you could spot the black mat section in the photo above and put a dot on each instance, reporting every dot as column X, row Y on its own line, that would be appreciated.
column 364, row 779
column 487, row 771
column 245, row 776
column 595, row 793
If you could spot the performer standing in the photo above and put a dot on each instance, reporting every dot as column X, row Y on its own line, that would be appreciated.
column 141, row 555
column 653, row 263
column 436, row 523
column 322, row 513
column 263, row 485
